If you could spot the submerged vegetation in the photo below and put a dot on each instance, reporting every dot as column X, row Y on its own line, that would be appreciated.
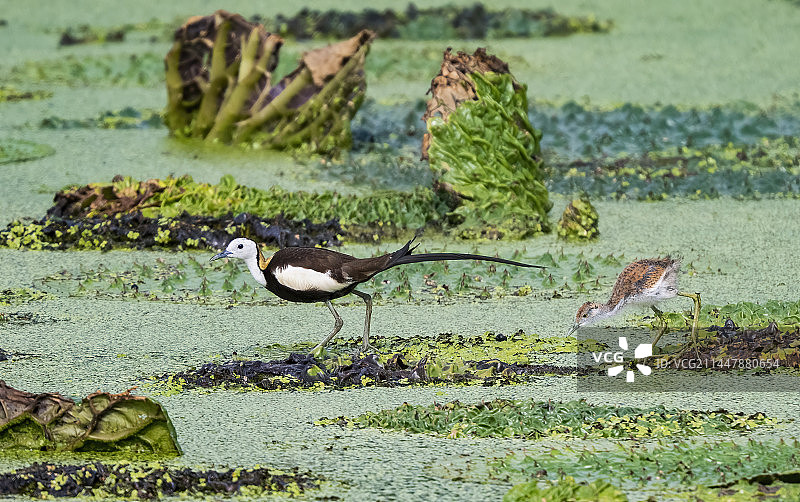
column 11, row 93
column 535, row 420
column 20, row 150
column 447, row 22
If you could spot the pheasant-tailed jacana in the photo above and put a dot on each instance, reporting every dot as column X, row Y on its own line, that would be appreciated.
column 643, row 282
column 308, row 274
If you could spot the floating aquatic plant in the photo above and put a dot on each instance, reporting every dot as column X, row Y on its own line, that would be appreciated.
column 171, row 197
column 770, row 167
column 581, row 132
column 784, row 313
column 85, row 34
column 143, row 69
column 565, row 489
column 20, row 296
column 440, row 282
column 126, row 118
column 132, row 230
column 535, row 419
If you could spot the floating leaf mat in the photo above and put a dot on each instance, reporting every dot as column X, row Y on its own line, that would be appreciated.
column 739, row 349
column 488, row 359
column 304, row 371
column 151, row 481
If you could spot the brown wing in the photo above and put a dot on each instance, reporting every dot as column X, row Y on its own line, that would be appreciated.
column 342, row 267
column 637, row 277
column 363, row 269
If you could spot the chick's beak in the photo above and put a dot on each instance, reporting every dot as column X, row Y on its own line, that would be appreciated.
column 223, row 254
column 573, row 329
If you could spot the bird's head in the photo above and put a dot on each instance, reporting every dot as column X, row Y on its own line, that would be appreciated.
column 242, row 248
column 587, row 314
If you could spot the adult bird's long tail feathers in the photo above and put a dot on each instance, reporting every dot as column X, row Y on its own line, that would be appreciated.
column 417, row 258
column 403, row 256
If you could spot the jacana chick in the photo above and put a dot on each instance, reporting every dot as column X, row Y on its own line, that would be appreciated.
column 309, row 274
column 643, row 282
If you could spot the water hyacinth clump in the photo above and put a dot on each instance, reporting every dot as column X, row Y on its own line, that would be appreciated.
column 505, row 166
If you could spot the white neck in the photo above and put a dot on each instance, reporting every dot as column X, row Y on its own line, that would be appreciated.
column 258, row 275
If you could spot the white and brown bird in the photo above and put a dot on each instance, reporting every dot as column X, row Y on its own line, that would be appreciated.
column 309, row 274
column 643, row 282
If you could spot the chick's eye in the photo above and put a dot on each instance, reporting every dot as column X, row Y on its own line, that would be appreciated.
column 241, row 246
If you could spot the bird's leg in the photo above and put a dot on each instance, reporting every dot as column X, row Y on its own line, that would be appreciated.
column 336, row 327
column 696, row 298
column 663, row 329
column 368, row 317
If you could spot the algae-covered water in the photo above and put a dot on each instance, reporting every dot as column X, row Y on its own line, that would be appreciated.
column 684, row 53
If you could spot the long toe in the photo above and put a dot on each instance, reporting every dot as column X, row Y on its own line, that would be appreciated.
column 366, row 348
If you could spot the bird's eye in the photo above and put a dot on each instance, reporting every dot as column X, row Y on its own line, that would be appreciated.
column 241, row 246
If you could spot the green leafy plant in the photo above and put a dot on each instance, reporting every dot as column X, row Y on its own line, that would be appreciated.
column 488, row 153
column 533, row 420
column 102, row 422
column 784, row 313
column 664, row 466
column 565, row 490
column 579, row 220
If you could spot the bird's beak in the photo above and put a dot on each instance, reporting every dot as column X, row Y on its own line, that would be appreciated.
column 223, row 254
column 573, row 329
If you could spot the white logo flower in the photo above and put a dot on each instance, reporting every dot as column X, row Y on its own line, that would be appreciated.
column 640, row 352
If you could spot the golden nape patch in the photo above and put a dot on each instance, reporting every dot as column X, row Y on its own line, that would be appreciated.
column 263, row 263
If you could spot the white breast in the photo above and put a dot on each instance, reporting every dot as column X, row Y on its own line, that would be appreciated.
column 304, row 279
